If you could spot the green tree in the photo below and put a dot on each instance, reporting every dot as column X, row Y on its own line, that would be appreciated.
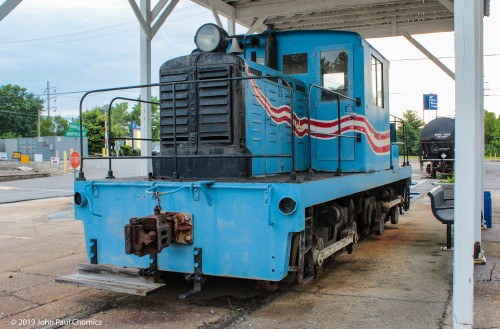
column 61, row 125
column 93, row 120
column 135, row 116
column 18, row 112
column 47, row 126
column 491, row 132
column 53, row 126
column 120, row 120
column 414, row 127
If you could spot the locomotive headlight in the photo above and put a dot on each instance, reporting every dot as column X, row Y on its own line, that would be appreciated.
column 287, row 206
column 210, row 37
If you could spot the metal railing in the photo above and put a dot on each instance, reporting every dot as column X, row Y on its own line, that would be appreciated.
column 338, row 95
column 110, row 136
column 406, row 154
column 175, row 156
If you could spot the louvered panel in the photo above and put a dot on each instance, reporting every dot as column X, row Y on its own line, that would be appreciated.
column 167, row 108
column 214, row 105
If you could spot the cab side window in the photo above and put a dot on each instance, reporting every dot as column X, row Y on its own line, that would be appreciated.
column 295, row 64
column 377, row 83
column 334, row 74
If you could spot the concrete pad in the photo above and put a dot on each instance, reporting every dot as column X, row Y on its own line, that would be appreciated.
column 47, row 292
column 398, row 280
column 84, row 301
column 10, row 305
column 15, row 281
column 306, row 310
column 149, row 314
column 64, row 265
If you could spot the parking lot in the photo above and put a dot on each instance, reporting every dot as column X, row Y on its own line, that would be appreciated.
column 399, row 280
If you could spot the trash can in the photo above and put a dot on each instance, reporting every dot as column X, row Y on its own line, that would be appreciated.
column 487, row 208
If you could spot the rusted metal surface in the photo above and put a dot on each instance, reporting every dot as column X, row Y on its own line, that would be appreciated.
column 395, row 202
column 112, row 278
column 150, row 234
column 182, row 223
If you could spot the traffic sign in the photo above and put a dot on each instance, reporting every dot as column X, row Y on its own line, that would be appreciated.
column 430, row 102
column 74, row 133
column 74, row 159
column 73, row 126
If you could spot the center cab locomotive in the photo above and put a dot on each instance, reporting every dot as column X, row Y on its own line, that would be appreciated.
column 277, row 152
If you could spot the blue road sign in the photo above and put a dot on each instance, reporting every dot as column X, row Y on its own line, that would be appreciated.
column 430, row 102
column 433, row 102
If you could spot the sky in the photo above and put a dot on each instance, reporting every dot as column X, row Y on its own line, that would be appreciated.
column 80, row 45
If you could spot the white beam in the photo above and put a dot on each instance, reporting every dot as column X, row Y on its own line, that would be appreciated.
column 258, row 9
column 7, row 7
column 145, row 59
column 215, row 13
column 227, row 10
column 157, row 9
column 144, row 20
column 447, row 4
column 256, row 26
column 159, row 22
column 398, row 29
column 231, row 26
column 429, row 55
column 395, row 11
column 468, row 175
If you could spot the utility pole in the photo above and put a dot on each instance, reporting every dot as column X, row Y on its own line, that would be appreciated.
column 49, row 97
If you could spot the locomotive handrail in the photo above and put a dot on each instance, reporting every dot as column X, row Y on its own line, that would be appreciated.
column 406, row 155
column 357, row 100
column 293, row 175
column 110, row 171
column 438, row 159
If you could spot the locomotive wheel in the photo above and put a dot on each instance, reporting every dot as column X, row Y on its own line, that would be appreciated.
column 378, row 227
column 394, row 214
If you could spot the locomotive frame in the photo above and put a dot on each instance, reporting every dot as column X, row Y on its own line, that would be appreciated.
column 296, row 178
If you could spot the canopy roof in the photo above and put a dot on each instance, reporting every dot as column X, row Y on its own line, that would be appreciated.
column 370, row 18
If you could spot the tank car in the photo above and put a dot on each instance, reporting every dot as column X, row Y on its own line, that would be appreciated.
column 437, row 146
column 275, row 156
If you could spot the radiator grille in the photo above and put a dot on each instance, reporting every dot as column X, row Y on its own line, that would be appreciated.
column 181, row 108
column 214, row 104
column 202, row 110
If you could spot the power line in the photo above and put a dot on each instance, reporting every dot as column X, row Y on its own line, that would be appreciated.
column 19, row 113
column 67, row 34
column 85, row 32
column 443, row 57
column 71, row 40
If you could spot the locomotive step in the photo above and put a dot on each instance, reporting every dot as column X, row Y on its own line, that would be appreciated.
column 112, row 278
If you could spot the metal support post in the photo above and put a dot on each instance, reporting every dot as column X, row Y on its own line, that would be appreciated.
column 7, row 7
column 429, row 55
column 145, row 58
column 468, row 175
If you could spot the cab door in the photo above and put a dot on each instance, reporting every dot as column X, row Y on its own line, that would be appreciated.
column 334, row 71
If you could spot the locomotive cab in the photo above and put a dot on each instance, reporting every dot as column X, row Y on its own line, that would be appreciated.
column 341, row 82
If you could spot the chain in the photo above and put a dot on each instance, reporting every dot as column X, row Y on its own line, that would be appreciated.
column 157, row 195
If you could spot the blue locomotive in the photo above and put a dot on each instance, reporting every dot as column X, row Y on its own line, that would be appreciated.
column 277, row 152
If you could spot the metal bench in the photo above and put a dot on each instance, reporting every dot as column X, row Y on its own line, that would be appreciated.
column 443, row 210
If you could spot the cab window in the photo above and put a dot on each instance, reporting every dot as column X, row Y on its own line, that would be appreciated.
column 295, row 64
column 334, row 74
column 377, row 83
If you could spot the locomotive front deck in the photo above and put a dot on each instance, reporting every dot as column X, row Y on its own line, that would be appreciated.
column 234, row 222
